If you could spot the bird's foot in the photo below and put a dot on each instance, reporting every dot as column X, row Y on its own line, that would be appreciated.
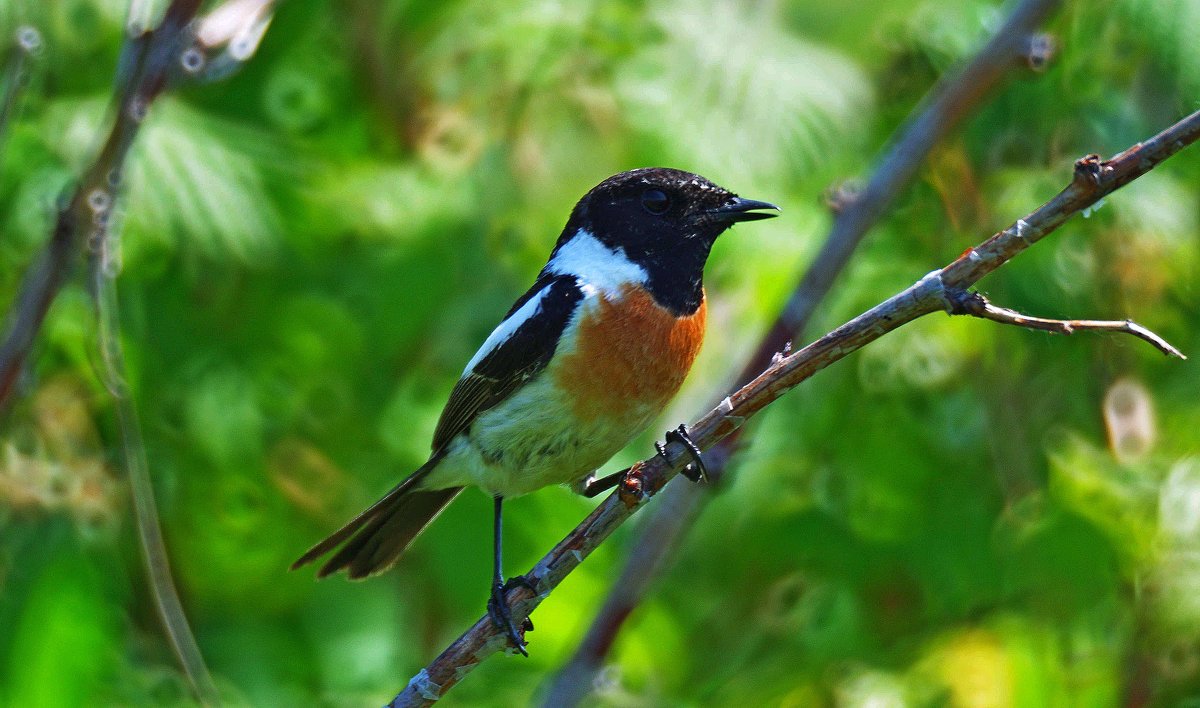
column 501, row 614
column 696, row 471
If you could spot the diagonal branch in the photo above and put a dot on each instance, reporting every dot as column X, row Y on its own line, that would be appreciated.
column 953, row 98
column 1093, row 179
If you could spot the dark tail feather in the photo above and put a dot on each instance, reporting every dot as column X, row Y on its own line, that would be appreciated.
column 380, row 543
column 380, row 534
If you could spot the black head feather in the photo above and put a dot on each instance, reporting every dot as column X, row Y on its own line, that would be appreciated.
column 666, row 221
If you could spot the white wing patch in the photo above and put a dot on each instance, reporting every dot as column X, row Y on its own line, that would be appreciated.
column 599, row 270
column 506, row 328
column 603, row 268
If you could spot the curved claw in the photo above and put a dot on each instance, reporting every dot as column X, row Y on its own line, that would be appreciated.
column 520, row 581
column 696, row 471
column 501, row 614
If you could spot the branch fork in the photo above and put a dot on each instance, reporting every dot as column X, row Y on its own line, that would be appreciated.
column 967, row 302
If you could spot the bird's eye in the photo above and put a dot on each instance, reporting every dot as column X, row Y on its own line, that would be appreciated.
column 656, row 201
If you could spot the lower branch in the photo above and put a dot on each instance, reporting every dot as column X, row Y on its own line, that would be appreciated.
column 677, row 508
column 1093, row 180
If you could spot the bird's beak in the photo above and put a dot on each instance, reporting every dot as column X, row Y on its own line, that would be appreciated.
column 740, row 209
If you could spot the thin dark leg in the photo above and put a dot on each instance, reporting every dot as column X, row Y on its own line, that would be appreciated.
column 498, row 603
column 498, row 542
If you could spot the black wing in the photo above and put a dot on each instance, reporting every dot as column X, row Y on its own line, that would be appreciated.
column 516, row 360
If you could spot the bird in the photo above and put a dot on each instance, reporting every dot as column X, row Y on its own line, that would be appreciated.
column 582, row 363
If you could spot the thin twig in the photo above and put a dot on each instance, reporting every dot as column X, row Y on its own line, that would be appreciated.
column 966, row 302
column 133, row 457
column 187, row 59
column 154, row 56
column 1093, row 179
column 948, row 103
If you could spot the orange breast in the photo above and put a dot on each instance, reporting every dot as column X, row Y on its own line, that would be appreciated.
column 630, row 353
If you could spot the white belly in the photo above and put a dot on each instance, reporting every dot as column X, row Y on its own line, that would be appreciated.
column 531, row 441
column 537, row 437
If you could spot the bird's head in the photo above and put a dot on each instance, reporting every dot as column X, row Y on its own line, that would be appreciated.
column 656, row 225
column 658, row 210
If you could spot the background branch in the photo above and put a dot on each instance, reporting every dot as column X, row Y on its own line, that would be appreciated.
column 147, row 61
column 947, row 104
column 26, row 43
column 951, row 100
column 151, row 60
column 1092, row 180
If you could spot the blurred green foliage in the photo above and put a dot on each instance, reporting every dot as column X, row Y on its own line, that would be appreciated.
column 962, row 514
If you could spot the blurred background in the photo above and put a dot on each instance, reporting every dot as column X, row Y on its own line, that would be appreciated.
column 961, row 514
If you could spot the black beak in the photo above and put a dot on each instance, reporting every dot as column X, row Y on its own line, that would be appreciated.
column 744, row 210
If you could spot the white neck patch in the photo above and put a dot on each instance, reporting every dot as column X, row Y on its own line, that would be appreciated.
column 606, row 269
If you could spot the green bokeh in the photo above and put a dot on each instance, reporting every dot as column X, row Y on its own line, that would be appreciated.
column 313, row 248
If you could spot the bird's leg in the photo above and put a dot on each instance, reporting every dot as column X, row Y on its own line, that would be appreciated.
column 696, row 471
column 592, row 485
column 497, row 606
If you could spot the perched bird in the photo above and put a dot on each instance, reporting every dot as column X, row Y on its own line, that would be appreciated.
column 583, row 362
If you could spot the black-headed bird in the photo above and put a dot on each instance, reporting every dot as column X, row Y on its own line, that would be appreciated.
column 584, row 361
